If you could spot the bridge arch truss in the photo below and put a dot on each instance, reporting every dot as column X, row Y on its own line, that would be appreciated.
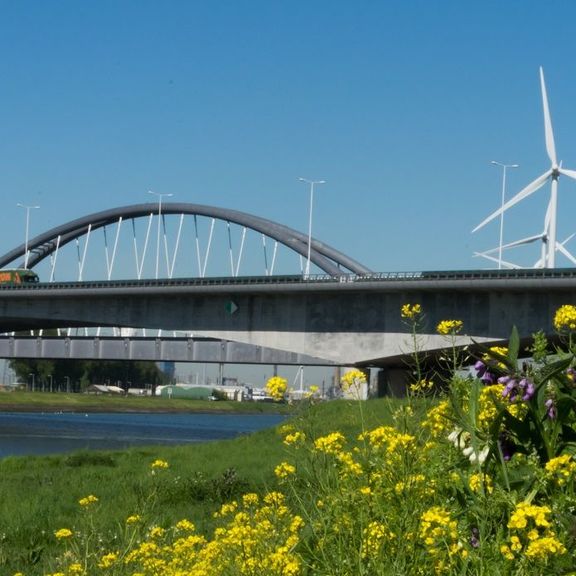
column 173, row 240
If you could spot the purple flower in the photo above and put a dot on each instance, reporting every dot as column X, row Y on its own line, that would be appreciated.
column 482, row 373
column 509, row 387
column 507, row 446
column 513, row 389
column 550, row 409
column 528, row 392
column 475, row 538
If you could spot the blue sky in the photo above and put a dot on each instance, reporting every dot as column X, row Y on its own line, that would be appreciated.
column 399, row 105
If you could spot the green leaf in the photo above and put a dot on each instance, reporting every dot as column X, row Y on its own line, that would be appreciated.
column 513, row 347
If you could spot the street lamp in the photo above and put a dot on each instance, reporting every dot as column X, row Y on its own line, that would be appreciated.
column 33, row 382
column 28, row 208
column 504, row 168
column 312, row 183
column 160, row 196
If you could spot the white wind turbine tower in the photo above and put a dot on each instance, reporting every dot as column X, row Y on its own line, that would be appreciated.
column 553, row 173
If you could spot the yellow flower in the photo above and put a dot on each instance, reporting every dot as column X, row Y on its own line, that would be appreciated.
column 410, row 311
column 185, row 526
column 331, row 444
column 449, row 327
column 422, row 386
column 565, row 318
column 159, row 465
column 438, row 419
column 481, row 483
column 284, row 470
column 157, row 532
column 63, row 533
column 561, row 468
column 353, row 378
column 295, row 438
column 88, row 500
column 276, row 387
column 108, row 560
column 133, row 519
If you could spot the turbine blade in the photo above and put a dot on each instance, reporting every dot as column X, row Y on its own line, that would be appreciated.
column 523, row 241
column 568, row 239
column 560, row 248
column 549, row 134
column 532, row 187
column 569, row 173
column 514, row 244
column 502, row 262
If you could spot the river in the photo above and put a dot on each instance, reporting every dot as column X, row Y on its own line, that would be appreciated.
column 26, row 433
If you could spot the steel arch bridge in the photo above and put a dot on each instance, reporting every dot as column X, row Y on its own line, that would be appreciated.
column 177, row 224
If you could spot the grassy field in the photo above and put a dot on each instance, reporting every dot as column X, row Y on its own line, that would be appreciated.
column 43, row 401
column 40, row 494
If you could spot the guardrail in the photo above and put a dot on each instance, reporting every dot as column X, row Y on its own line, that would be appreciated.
column 310, row 279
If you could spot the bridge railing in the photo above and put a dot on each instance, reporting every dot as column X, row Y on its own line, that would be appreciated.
column 312, row 278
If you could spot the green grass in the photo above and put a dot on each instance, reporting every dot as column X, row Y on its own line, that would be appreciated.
column 35, row 401
column 40, row 494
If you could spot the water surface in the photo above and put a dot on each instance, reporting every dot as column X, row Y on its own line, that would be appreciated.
column 23, row 433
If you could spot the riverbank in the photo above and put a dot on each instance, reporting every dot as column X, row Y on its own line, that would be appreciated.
column 195, row 482
column 63, row 402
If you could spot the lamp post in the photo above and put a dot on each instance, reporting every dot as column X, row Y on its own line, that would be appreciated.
column 28, row 208
column 33, row 383
column 160, row 196
column 312, row 183
column 67, row 378
column 504, row 168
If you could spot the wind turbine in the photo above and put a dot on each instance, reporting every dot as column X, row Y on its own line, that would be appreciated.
column 542, row 237
column 552, row 174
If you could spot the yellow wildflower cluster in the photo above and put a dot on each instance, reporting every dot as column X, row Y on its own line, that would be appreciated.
column 330, row 444
column 349, row 466
column 284, row 470
column 416, row 484
column 374, row 536
column 108, row 560
column 295, row 439
column 159, row 465
column 256, row 536
column 565, row 318
column 388, row 440
column 439, row 534
column 353, row 378
column 449, row 327
column 410, row 311
column 490, row 402
column 276, row 387
column 438, row 419
column 561, row 469
column 422, row 386
column 481, row 483
column 85, row 502
column 531, row 534
column 63, row 533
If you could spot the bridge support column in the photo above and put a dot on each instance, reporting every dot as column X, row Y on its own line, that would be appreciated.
column 393, row 382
